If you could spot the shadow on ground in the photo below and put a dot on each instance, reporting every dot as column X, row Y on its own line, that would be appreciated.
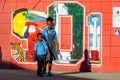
column 20, row 74
column 10, row 74
column 10, row 71
column 9, row 65
column 5, row 64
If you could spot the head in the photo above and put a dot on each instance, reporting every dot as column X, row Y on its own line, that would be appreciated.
column 39, row 36
column 49, row 22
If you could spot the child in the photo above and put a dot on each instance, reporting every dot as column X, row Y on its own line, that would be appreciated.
column 51, row 38
column 40, row 49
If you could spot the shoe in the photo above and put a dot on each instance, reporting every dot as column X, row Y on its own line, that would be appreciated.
column 49, row 74
column 44, row 72
column 44, row 69
column 40, row 75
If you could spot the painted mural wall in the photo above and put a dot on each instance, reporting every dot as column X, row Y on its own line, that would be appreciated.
column 27, row 23
column 84, row 28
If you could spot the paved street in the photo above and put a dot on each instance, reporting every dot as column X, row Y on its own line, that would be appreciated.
column 12, row 74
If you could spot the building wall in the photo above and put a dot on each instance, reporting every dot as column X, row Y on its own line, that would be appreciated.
column 88, row 33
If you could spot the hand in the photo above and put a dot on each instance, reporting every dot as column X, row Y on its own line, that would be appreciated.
column 33, row 57
column 72, row 53
column 48, row 54
column 58, row 51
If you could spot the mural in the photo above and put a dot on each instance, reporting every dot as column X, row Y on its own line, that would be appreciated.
column 26, row 25
column 17, row 52
column 94, row 21
column 68, row 23
column 73, row 30
column 100, row 39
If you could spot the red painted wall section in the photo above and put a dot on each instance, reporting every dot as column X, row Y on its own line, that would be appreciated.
column 5, row 32
column 110, row 43
column 66, row 32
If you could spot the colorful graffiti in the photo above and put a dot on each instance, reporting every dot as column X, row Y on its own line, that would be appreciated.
column 26, row 25
column 17, row 52
column 71, row 41
column 94, row 21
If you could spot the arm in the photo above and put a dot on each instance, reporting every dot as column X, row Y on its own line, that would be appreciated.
column 44, row 34
column 48, row 51
column 56, row 41
column 57, row 44
column 34, row 55
column 46, row 48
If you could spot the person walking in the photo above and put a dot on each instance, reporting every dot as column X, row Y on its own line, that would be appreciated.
column 51, row 39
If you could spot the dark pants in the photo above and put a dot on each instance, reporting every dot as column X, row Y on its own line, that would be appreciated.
column 41, row 60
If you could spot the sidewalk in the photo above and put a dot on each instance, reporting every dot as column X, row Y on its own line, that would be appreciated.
column 18, row 74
